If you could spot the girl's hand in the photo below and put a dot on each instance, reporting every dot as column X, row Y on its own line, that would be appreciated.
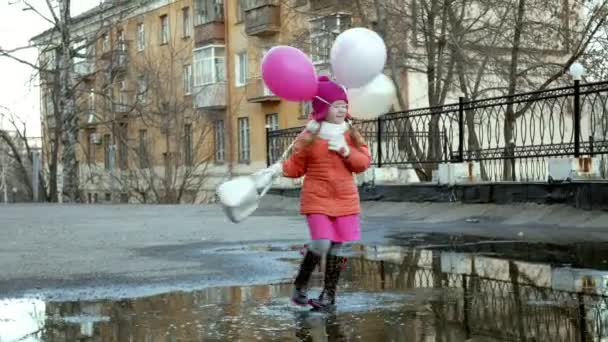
column 340, row 146
column 313, row 126
column 277, row 169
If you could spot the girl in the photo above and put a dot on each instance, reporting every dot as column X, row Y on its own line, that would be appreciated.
column 328, row 154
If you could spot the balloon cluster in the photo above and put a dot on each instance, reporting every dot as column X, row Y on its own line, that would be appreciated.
column 357, row 59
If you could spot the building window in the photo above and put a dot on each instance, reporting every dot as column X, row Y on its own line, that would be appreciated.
column 92, row 52
column 188, row 144
column 272, row 121
column 244, row 147
column 219, row 141
column 142, row 89
column 91, row 101
column 323, row 33
column 241, row 69
column 123, row 150
column 81, row 53
column 91, row 107
column 186, row 22
column 105, row 42
column 122, row 96
column 50, row 59
column 240, row 10
column 91, row 148
column 208, row 11
column 187, row 79
column 109, row 97
column 267, row 91
column 49, row 106
column 272, row 124
column 164, row 29
column 122, row 48
column 143, row 149
column 305, row 110
column 141, row 37
column 106, row 151
column 209, row 65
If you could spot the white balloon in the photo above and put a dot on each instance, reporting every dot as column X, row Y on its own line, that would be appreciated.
column 357, row 56
column 373, row 99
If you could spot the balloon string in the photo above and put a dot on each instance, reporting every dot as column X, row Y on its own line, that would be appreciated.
column 287, row 151
column 322, row 99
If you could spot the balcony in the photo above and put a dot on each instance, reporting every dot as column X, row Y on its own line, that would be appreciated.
column 115, row 62
column 116, row 59
column 84, row 69
column 47, row 77
column 90, row 118
column 210, row 96
column 262, row 18
column 343, row 5
column 257, row 92
column 120, row 108
column 209, row 33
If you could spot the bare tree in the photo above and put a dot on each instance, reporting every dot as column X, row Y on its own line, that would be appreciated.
column 164, row 144
column 57, row 13
column 575, row 43
column 15, row 145
column 478, row 48
column 60, row 46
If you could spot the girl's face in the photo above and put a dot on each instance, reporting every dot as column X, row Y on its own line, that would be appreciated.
column 337, row 112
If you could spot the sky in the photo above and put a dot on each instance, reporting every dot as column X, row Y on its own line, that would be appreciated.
column 17, row 92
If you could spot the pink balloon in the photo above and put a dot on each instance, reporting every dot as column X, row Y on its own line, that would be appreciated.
column 289, row 74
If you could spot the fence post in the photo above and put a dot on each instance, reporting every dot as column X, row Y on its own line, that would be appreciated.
column 268, row 161
column 512, row 148
column 461, row 100
column 577, row 118
column 35, row 174
column 379, row 141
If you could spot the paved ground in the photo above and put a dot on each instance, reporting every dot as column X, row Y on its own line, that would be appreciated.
column 65, row 250
column 140, row 273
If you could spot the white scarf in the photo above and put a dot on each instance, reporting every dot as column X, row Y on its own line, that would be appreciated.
column 330, row 131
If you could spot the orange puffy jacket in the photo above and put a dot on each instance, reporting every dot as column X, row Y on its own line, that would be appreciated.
column 329, row 185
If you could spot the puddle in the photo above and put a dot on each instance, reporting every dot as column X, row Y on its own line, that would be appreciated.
column 578, row 255
column 421, row 288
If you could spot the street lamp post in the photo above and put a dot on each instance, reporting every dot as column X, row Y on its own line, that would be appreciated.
column 268, row 149
column 3, row 180
column 112, row 172
column 576, row 71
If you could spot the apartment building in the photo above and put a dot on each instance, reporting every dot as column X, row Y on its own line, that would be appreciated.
column 170, row 96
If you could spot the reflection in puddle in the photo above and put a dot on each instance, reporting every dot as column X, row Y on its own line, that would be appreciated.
column 21, row 319
column 389, row 293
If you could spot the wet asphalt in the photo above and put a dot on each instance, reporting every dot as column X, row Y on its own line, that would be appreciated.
column 182, row 273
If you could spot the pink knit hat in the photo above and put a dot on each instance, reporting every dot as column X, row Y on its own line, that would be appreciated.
column 327, row 93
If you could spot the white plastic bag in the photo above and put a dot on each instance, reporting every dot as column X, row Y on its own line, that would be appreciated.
column 240, row 197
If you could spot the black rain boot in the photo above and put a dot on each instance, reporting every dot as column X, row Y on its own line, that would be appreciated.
column 300, row 291
column 334, row 265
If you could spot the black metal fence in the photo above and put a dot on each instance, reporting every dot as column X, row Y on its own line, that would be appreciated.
column 503, row 310
column 512, row 137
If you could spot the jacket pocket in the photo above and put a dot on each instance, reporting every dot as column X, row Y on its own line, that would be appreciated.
column 345, row 188
column 315, row 188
